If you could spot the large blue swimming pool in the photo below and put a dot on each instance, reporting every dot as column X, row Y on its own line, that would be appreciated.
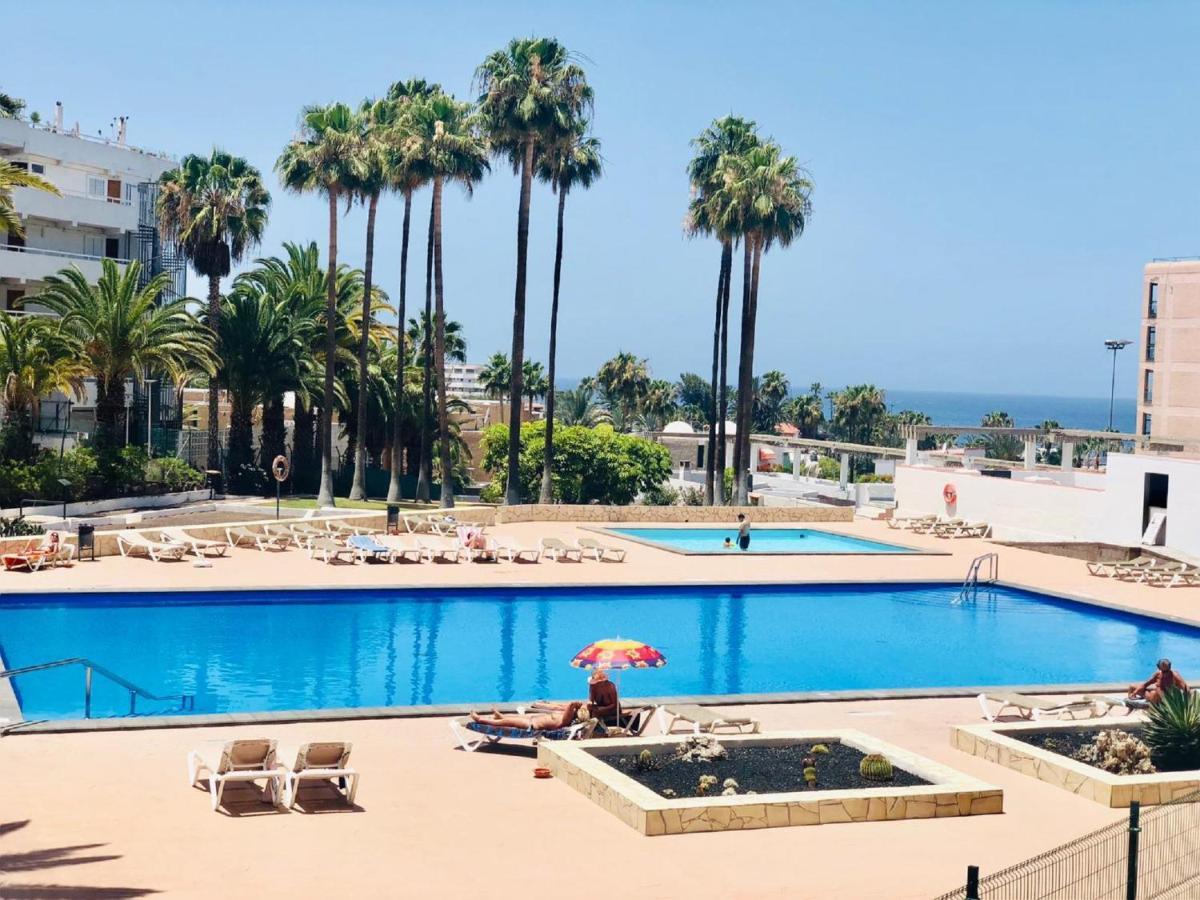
column 762, row 540
column 244, row 652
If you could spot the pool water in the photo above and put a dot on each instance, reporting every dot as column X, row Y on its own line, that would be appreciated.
column 762, row 540
column 290, row 650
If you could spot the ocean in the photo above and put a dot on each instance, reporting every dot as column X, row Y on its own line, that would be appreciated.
column 967, row 409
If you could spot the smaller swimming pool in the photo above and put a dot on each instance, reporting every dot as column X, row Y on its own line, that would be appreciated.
column 762, row 540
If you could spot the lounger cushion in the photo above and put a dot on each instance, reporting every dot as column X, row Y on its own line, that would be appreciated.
column 552, row 734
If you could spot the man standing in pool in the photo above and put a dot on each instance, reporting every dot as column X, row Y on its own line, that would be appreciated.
column 743, row 532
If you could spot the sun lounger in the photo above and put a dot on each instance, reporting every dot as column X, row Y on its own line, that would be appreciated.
column 963, row 530
column 436, row 548
column 1171, row 575
column 472, row 735
column 468, row 539
column 321, row 761
column 329, row 550
column 1031, row 707
column 306, row 534
column 600, row 551
column 416, row 525
column 366, row 547
column 282, row 533
column 244, row 760
column 198, row 546
column 556, row 549
column 940, row 527
column 340, row 528
column 131, row 543
column 1117, row 569
column 513, row 551
column 701, row 719
column 402, row 546
column 262, row 540
column 1104, row 702
column 24, row 557
column 902, row 522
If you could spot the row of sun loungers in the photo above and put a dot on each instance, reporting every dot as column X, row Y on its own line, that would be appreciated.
column 1148, row 570
column 255, row 760
column 939, row 527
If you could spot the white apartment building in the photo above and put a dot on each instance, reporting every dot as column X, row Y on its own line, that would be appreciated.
column 106, row 210
column 462, row 380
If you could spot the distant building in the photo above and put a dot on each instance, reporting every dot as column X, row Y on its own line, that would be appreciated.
column 1169, row 351
column 106, row 211
column 462, row 380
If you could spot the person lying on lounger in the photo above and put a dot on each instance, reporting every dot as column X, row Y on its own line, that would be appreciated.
column 545, row 721
column 1163, row 680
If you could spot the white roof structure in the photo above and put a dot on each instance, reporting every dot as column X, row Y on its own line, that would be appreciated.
column 678, row 428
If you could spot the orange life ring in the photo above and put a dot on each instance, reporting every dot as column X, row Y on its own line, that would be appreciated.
column 949, row 494
column 280, row 468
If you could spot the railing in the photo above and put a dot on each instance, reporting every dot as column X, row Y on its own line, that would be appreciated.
column 102, row 198
column 186, row 701
column 970, row 586
column 39, row 251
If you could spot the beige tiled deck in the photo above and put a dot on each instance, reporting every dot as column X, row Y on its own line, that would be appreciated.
column 89, row 813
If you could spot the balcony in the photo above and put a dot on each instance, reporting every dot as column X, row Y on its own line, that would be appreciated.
column 77, row 209
column 33, row 264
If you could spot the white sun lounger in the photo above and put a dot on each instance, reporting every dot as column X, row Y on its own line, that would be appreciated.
column 901, row 523
column 1031, row 707
column 131, row 543
column 198, row 546
column 263, row 541
column 601, row 551
column 1104, row 702
column 472, row 735
column 244, row 760
column 1171, row 575
column 402, row 547
column 439, row 548
column 341, row 528
column 513, row 551
column 557, row 549
column 329, row 550
column 321, row 761
column 700, row 719
column 305, row 534
column 1121, row 568
column 367, row 547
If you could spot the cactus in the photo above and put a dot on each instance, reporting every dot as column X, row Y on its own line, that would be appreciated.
column 875, row 767
column 730, row 783
column 808, row 762
column 819, row 748
column 810, row 776
column 705, row 784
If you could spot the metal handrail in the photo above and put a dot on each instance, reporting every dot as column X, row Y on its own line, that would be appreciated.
column 62, row 254
column 971, row 583
column 186, row 701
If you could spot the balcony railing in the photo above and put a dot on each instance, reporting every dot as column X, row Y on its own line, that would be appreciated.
column 62, row 254
column 118, row 201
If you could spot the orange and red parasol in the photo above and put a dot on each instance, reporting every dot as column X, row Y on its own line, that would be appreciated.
column 618, row 653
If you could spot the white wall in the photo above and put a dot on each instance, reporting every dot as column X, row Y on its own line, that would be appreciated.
column 1124, row 497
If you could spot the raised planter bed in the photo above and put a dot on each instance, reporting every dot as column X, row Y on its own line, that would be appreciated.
column 921, row 787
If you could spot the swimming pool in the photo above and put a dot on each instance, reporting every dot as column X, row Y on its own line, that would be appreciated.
column 274, row 650
column 762, row 540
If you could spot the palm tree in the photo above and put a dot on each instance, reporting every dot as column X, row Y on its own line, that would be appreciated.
column 531, row 95
column 725, row 137
column 34, row 361
column 120, row 331
column 406, row 174
column 534, row 382
column 10, row 106
column 579, row 407
column 623, row 381
column 215, row 209
column 572, row 162
column 496, row 378
column 766, row 195
column 12, row 177
column 323, row 157
column 658, row 405
column 858, row 413
column 441, row 132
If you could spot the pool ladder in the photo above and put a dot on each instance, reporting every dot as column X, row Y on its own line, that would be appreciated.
column 187, row 702
column 970, row 587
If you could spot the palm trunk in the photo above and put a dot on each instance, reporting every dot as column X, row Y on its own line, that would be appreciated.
column 241, row 433
column 439, row 340
column 748, row 345
column 513, row 493
column 397, row 429
column 325, row 494
column 710, row 461
column 745, row 394
column 110, row 406
column 214, row 317
column 425, row 477
column 302, row 447
column 723, row 391
column 273, row 430
column 358, row 490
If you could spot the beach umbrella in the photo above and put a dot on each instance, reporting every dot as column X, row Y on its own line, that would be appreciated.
column 618, row 653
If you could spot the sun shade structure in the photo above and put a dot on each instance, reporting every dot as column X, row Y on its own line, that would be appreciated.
column 618, row 653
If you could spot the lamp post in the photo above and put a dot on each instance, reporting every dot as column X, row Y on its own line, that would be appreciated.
column 149, row 415
column 1114, row 346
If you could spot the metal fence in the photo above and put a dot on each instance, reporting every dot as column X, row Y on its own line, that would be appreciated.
column 1154, row 854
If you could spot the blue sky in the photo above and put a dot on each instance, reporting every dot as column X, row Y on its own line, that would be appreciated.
column 990, row 177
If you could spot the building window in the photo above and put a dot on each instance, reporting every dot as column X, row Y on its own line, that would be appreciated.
column 1145, row 423
column 37, row 168
column 112, row 248
column 1151, row 340
column 96, row 187
column 1152, row 305
column 1148, row 387
column 20, row 164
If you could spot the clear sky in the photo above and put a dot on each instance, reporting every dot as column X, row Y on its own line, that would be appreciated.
column 990, row 177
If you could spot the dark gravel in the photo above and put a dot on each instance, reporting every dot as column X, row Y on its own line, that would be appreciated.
column 1068, row 742
column 764, row 770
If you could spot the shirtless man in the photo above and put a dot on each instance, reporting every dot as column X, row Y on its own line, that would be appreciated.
column 1163, row 680
column 536, row 721
column 743, row 532
column 602, row 698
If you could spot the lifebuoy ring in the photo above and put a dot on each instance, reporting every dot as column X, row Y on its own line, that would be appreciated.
column 949, row 494
column 280, row 468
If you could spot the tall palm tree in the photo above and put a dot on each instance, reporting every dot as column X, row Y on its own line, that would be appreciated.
column 768, row 195
column 406, row 174
column 534, row 382
column 35, row 361
column 10, row 106
column 579, row 407
column 12, row 177
column 323, row 157
column 658, row 404
column 726, row 137
column 624, row 380
column 496, row 378
column 531, row 95
column 215, row 209
column 120, row 331
column 572, row 162
column 442, row 134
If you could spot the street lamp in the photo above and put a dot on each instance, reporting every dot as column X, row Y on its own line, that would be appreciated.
column 1114, row 346
column 149, row 416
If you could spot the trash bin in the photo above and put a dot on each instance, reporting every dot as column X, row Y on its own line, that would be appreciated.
column 215, row 479
column 85, row 541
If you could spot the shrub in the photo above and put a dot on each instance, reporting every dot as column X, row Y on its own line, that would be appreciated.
column 1172, row 731
column 248, row 479
column 660, row 495
column 18, row 527
column 691, row 496
column 872, row 478
column 174, row 474
column 829, row 468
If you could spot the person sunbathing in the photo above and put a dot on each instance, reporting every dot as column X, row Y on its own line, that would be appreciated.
column 602, row 702
column 1154, row 687
column 534, row 722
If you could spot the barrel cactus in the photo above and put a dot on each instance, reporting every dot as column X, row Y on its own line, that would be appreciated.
column 875, row 767
column 820, row 748
column 810, row 775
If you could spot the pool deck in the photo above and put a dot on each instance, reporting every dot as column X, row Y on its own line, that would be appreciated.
column 109, row 814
